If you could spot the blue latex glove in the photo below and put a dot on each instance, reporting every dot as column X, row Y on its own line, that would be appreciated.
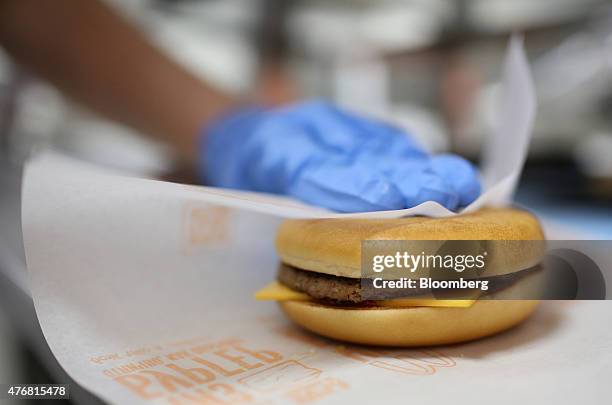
column 325, row 156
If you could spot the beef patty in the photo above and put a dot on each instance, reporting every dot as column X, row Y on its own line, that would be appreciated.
column 349, row 290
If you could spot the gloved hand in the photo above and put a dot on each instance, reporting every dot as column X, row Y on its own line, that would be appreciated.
column 325, row 156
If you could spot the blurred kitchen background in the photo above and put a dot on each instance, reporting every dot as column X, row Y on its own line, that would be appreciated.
column 429, row 66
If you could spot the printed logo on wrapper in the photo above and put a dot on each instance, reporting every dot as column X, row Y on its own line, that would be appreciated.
column 196, row 371
column 204, row 225
column 280, row 376
column 232, row 371
column 311, row 392
column 223, row 371
column 412, row 362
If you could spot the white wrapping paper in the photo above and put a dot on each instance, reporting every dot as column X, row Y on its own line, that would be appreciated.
column 144, row 292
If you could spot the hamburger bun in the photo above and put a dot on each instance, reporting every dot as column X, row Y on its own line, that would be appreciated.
column 332, row 247
column 418, row 326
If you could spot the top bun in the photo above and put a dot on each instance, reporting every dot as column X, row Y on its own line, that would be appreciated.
column 333, row 246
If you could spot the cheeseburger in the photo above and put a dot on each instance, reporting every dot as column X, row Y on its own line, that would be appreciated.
column 319, row 282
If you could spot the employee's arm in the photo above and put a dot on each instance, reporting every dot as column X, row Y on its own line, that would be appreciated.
column 94, row 56
column 312, row 151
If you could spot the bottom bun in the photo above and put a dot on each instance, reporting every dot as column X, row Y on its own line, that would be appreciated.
column 417, row 326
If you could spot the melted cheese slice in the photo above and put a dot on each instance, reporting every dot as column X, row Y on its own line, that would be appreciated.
column 276, row 291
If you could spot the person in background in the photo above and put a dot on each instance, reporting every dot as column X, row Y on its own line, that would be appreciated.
column 312, row 150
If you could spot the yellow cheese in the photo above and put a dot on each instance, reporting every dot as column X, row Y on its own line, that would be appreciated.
column 276, row 291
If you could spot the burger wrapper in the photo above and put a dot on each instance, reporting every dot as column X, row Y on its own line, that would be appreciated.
column 144, row 292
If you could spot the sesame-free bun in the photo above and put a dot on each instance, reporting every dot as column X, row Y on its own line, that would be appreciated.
column 333, row 246
column 419, row 326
